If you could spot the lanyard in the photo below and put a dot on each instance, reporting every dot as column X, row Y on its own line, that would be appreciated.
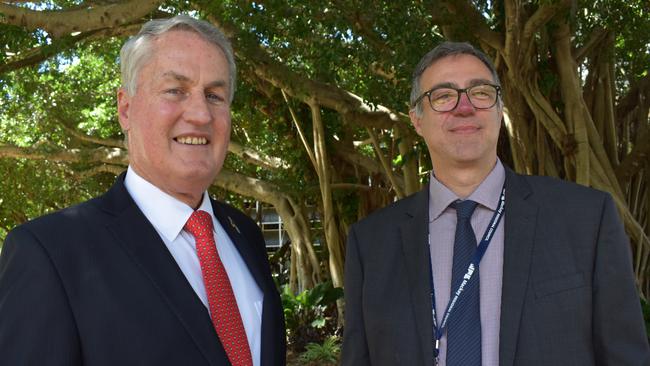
column 469, row 274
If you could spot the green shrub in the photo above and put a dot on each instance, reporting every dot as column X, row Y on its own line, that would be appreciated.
column 310, row 316
column 322, row 354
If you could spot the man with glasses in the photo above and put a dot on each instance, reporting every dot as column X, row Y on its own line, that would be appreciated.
column 485, row 266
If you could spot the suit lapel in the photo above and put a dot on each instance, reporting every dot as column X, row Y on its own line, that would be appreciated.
column 520, row 222
column 414, row 232
column 142, row 243
column 272, row 324
column 246, row 251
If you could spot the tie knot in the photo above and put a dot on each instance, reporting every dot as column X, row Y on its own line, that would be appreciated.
column 199, row 224
column 465, row 208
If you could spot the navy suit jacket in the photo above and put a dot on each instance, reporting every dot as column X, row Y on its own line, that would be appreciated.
column 95, row 285
column 568, row 294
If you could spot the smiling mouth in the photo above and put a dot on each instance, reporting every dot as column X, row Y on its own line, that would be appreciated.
column 465, row 129
column 191, row 140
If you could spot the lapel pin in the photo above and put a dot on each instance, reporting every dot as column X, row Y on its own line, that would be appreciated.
column 232, row 223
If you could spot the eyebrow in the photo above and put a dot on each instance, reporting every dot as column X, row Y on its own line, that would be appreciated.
column 471, row 83
column 176, row 76
column 184, row 79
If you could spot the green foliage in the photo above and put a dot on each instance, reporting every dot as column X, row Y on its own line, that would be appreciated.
column 67, row 91
column 629, row 21
column 337, row 43
column 326, row 353
column 33, row 188
column 73, row 91
column 310, row 316
column 365, row 48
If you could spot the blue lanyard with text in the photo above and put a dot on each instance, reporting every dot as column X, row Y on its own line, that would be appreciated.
column 478, row 255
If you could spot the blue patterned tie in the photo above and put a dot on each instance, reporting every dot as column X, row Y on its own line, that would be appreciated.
column 464, row 324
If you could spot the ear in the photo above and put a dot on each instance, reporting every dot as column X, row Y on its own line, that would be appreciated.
column 500, row 111
column 417, row 121
column 123, row 104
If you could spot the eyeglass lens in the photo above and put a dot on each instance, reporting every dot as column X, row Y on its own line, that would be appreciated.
column 446, row 99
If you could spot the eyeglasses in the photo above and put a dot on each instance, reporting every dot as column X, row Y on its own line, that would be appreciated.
column 445, row 99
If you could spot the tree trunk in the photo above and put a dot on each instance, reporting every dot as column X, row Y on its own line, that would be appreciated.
column 330, row 227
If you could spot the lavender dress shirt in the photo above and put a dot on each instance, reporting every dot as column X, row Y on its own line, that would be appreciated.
column 442, row 227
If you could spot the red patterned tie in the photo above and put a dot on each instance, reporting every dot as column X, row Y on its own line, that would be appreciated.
column 223, row 306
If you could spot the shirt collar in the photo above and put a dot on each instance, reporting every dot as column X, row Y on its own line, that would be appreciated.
column 167, row 214
column 486, row 194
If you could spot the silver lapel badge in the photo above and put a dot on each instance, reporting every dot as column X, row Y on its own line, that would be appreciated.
column 232, row 223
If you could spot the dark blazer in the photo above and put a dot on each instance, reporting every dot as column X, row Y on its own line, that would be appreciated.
column 568, row 288
column 95, row 285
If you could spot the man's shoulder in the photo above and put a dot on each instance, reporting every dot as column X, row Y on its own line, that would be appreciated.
column 57, row 223
column 557, row 191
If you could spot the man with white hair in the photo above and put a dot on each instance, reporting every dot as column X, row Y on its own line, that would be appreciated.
column 153, row 272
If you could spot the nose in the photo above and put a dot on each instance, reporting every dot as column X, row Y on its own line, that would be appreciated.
column 197, row 109
column 464, row 106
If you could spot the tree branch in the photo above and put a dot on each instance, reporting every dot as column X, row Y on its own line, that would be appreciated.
column 636, row 160
column 543, row 15
column 39, row 54
column 42, row 53
column 371, row 166
column 99, row 169
column 114, row 160
column 106, row 155
column 79, row 135
column 473, row 20
column 255, row 157
column 640, row 89
column 595, row 38
column 250, row 187
column 385, row 164
column 350, row 186
column 640, row 154
column 301, row 132
column 308, row 90
column 378, row 70
column 362, row 23
column 62, row 22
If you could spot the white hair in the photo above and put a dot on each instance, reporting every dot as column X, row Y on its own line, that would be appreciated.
column 137, row 49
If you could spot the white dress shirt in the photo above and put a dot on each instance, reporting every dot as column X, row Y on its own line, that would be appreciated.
column 168, row 216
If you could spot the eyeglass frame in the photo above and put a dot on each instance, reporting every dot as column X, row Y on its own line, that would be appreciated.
column 459, row 92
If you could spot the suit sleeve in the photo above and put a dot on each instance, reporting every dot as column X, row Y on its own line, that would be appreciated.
column 619, row 331
column 36, row 323
column 355, row 346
